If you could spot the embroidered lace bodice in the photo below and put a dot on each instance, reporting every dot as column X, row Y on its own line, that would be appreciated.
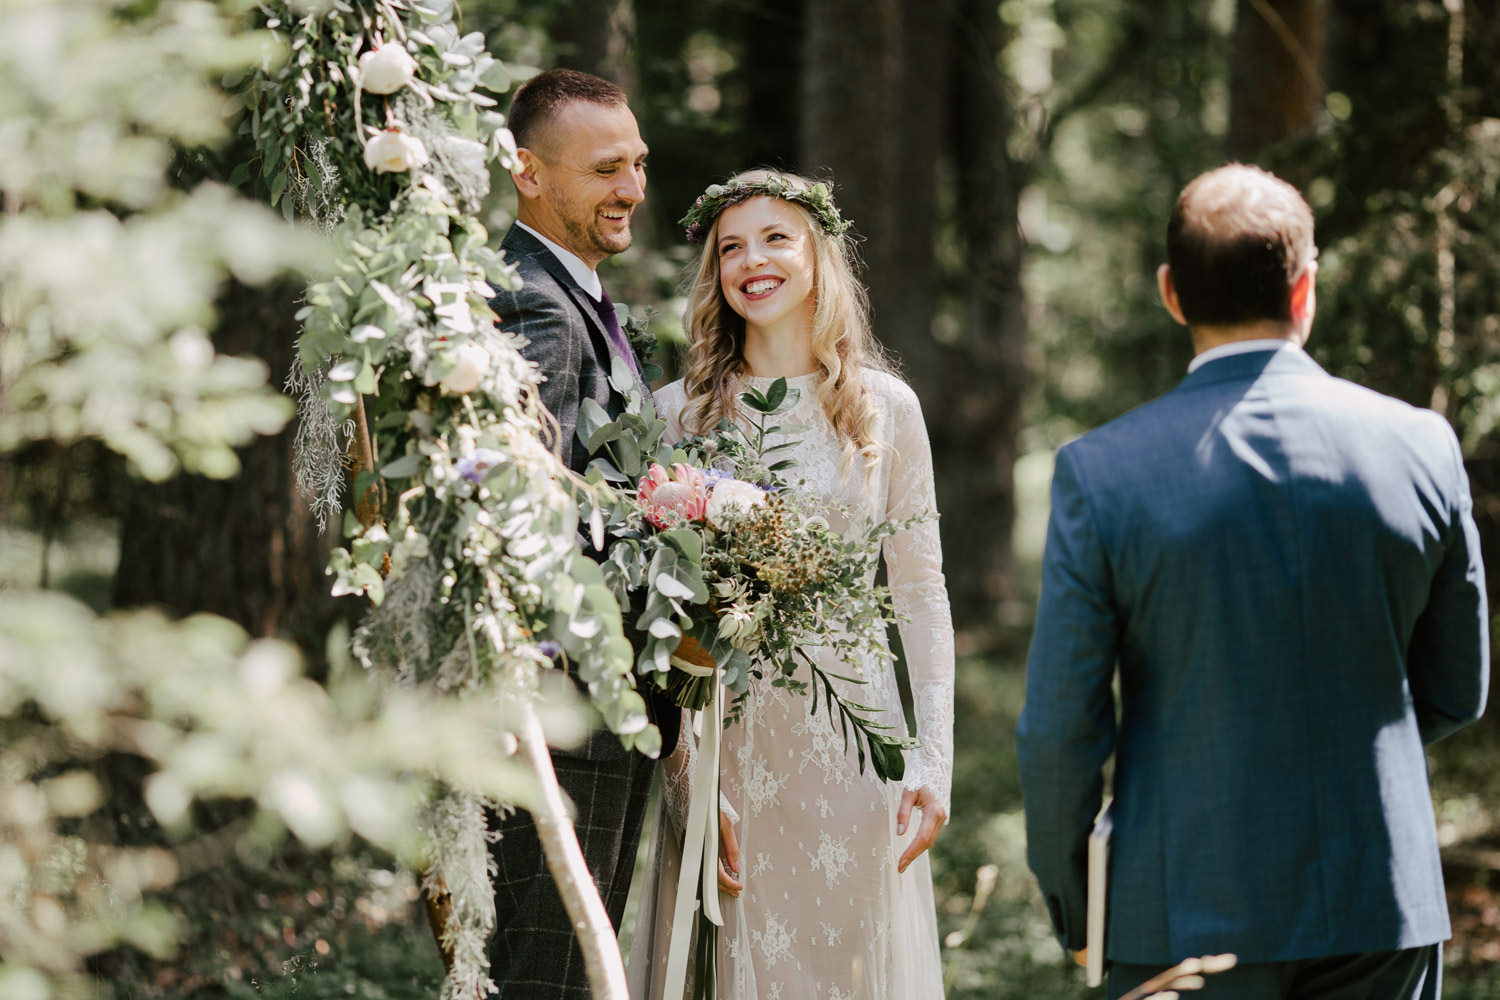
column 824, row 913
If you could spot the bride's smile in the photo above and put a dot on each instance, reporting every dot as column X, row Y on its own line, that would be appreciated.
column 759, row 288
column 767, row 267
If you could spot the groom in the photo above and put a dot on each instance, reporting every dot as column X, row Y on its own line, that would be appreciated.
column 1282, row 571
column 582, row 173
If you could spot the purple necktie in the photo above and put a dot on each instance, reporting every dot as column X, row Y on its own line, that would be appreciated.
column 612, row 330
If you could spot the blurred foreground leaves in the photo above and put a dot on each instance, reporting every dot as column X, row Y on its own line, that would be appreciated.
column 108, row 277
column 211, row 715
column 108, row 273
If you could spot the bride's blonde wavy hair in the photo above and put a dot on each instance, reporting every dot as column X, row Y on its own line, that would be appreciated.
column 843, row 344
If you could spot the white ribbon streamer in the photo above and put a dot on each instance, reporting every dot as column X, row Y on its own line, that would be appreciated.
column 700, row 850
column 689, row 667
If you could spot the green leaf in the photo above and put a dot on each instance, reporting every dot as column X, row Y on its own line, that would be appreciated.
column 685, row 541
column 755, row 400
column 368, row 577
column 591, row 417
column 889, row 761
column 602, row 436
column 405, row 466
column 364, row 481
column 606, row 469
column 647, row 741
column 365, row 380
column 621, row 378
column 775, row 394
column 672, row 587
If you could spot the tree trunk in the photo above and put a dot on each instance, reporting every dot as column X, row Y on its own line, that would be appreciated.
column 593, row 36
column 877, row 111
column 872, row 115
column 245, row 548
column 772, row 72
column 1276, row 81
column 985, row 366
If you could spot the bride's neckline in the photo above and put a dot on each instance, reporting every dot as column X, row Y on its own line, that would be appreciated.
column 803, row 379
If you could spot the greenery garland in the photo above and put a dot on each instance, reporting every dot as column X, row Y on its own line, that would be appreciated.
column 379, row 129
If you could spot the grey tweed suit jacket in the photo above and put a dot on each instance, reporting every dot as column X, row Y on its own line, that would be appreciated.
column 567, row 342
column 563, row 338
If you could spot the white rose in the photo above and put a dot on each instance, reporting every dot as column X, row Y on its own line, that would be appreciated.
column 392, row 152
column 470, row 363
column 386, row 69
column 732, row 495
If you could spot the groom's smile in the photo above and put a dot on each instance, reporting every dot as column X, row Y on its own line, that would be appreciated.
column 590, row 174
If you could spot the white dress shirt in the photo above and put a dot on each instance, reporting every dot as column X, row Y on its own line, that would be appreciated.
column 581, row 272
column 1241, row 347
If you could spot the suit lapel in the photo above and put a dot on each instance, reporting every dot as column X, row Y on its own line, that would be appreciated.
column 523, row 244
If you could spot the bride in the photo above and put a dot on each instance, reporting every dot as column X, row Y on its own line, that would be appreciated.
column 825, row 884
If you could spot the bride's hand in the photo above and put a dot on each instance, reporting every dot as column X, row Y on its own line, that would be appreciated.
column 933, row 818
column 729, row 857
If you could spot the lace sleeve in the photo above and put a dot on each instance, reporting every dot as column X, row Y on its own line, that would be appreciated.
column 914, row 564
column 670, row 401
column 677, row 778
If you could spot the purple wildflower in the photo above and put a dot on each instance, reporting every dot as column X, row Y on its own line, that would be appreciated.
column 476, row 466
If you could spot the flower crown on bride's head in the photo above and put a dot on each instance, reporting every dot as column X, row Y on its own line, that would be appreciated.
column 816, row 198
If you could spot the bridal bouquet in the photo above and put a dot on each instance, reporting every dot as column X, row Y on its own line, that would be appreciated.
column 730, row 570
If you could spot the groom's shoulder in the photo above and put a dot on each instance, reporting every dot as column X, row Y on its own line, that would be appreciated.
column 1136, row 427
column 538, row 290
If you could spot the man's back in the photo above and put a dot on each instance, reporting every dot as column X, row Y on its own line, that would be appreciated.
column 1284, row 565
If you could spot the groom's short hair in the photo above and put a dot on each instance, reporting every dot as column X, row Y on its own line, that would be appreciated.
column 1238, row 239
column 539, row 100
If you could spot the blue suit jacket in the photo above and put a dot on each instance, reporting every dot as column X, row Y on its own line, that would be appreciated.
column 1284, row 568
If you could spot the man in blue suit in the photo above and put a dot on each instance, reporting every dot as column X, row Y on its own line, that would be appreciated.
column 1283, row 572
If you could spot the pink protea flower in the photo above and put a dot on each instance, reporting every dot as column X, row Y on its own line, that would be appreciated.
column 672, row 499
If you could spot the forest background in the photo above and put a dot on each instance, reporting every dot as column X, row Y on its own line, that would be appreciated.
column 1009, row 168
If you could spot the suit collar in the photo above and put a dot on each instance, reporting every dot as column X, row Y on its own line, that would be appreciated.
column 1242, row 347
column 523, row 244
column 583, row 276
column 1252, row 365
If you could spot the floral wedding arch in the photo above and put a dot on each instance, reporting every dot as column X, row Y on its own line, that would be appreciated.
column 419, row 427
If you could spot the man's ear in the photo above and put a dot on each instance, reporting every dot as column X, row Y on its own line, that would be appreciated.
column 525, row 174
column 1168, row 291
column 1304, row 300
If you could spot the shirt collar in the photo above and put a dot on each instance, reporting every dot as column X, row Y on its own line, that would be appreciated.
column 580, row 272
column 1240, row 347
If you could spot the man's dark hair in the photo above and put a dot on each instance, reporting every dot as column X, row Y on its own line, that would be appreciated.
column 539, row 100
column 1237, row 241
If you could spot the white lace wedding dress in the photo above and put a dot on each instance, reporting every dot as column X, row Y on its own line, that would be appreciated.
column 824, row 914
